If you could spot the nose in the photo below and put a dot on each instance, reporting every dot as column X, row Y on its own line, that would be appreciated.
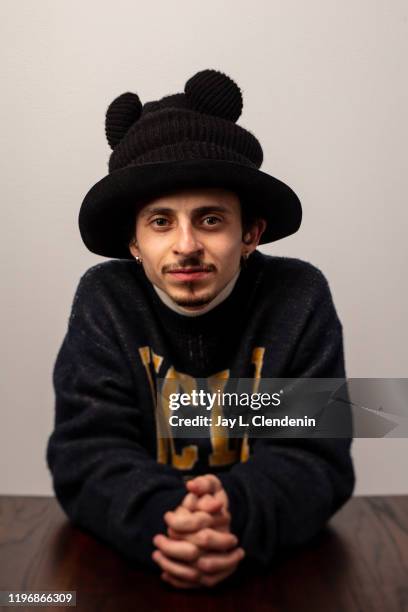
column 186, row 242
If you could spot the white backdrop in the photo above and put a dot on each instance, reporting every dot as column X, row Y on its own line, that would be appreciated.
column 325, row 91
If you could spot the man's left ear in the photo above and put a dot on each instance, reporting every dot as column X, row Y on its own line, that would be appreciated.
column 251, row 239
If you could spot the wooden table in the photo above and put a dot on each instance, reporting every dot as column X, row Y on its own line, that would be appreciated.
column 359, row 562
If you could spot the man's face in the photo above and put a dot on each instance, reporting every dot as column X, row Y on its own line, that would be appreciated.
column 191, row 243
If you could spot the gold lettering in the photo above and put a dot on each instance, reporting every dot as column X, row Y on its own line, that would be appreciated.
column 172, row 383
column 161, row 441
column 257, row 359
column 222, row 454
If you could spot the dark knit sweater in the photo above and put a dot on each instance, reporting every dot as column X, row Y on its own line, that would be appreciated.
column 112, row 475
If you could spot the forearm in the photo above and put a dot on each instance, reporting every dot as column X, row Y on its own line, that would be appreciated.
column 286, row 492
column 116, row 494
column 106, row 480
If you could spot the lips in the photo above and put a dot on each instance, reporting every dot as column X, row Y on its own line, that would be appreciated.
column 189, row 274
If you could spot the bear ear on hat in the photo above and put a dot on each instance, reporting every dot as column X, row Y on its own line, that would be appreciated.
column 214, row 93
column 120, row 116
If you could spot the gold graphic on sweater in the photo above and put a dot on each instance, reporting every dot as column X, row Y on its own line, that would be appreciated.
column 225, row 450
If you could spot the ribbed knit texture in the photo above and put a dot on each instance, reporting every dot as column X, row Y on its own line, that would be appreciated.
column 214, row 93
column 103, row 451
column 196, row 124
column 175, row 134
column 122, row 113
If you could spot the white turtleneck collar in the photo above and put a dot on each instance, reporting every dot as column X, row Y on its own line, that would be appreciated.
column 189, row 313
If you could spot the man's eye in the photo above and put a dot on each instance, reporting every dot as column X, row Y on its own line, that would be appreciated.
column 159, row 222
column 213, row 220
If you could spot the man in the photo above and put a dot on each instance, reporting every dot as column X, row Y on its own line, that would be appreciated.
column 189, row 297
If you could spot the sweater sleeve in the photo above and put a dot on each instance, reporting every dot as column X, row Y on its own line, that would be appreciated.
column 103, row 476
column 289, row 487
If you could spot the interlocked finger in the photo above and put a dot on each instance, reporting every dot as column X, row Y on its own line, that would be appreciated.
column 212, row 563
column 182, row 550
column 177, row 569
column 184, row 521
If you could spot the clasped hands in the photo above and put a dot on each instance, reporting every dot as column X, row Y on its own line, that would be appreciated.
column 199, row 548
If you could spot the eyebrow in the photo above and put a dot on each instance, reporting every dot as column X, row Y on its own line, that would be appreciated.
column 201, row 210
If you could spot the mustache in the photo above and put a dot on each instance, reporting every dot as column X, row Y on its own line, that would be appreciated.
column 189, row 263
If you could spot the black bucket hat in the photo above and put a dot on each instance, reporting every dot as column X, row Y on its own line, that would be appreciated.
column 183, row 140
